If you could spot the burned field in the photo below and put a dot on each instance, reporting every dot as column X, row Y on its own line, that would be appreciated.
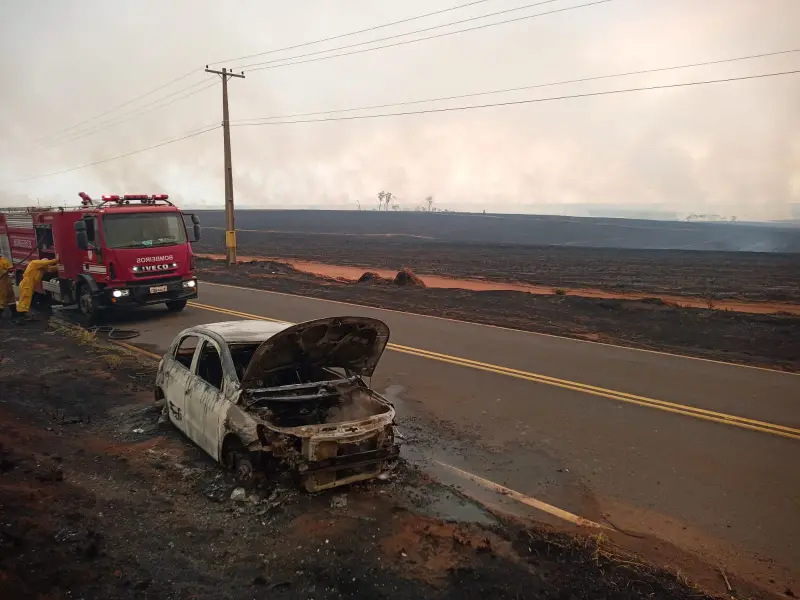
column 761, row 340
column 522, row 229
column 101, row 498
column 752, row 276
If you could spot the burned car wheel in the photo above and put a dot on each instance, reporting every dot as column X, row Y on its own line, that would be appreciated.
column 243, row 468
column 237, row 459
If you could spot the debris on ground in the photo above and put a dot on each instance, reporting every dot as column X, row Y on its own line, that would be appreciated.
column 372, row 277
column 406, row 278
column 239, row 495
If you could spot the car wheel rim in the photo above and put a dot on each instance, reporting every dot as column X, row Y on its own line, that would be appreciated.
column 244, row 471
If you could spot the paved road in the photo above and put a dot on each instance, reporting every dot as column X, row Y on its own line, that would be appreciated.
column 608, row 433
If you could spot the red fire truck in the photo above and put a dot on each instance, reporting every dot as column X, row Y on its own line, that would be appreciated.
column 122, row 251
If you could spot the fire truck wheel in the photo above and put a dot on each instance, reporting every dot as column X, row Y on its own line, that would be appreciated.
column 176, row 305
column 89, row 310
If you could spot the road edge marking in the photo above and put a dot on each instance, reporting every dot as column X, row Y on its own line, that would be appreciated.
column 129, row 347
column 142, row 351
column 502, row 328
column 527, row 500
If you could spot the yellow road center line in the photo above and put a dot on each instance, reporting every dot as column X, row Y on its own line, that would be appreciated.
column 591, row 388
column 681, row 409
column 527, row 500
column 236, row 313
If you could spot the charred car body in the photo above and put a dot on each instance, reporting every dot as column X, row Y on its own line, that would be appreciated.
column 253, row 393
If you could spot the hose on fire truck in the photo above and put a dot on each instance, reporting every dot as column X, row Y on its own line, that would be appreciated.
column 112, row 333
column 18, row 263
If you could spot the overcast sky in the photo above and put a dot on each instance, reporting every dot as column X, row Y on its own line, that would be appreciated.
column 728, row 148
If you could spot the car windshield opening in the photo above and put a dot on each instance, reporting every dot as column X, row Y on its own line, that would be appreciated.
column 143, row 230
column 241, row 355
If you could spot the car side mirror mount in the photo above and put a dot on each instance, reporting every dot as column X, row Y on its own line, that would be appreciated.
column 195, row 231
column 196, row 227
column 81, row 237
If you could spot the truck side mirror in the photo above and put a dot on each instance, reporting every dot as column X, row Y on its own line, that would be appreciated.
column 81, row 238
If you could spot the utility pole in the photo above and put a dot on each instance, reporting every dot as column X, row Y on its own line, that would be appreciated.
column 230, row 225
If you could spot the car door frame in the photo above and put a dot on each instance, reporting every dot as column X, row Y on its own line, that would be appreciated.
column 205, row 406
column 174, row 378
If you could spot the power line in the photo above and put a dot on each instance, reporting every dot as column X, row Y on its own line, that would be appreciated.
column 518, row 89
column 433, row 110
column 133, row 114
column 184, row 76
column 193, row 71
column 110, row 110
column 98, row 162
column 430, row 37
column 399, row 35
column 518, row 102
column 342, row 35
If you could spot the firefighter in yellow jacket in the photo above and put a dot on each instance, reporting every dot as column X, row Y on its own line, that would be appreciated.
column 33, row 274
column 6, row 289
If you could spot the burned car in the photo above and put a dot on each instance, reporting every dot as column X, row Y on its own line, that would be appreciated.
column 255, row 394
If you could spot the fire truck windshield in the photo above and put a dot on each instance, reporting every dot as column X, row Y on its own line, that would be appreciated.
column 143, row 230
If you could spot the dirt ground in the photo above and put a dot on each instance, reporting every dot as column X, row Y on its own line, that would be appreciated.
column 342, row 272
column 771, row 340
column 99, row 499
column 724, row 275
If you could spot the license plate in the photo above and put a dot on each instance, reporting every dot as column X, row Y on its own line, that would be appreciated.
column 157, row 289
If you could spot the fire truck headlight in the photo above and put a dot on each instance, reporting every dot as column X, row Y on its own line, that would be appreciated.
column 190, row 284
column 120, row 293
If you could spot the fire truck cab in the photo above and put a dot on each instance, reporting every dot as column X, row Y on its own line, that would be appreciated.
column 124, row 251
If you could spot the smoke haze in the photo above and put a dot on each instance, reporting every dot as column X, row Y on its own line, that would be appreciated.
column 729, row 148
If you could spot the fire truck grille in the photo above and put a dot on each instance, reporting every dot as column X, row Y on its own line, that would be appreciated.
column 154, row 275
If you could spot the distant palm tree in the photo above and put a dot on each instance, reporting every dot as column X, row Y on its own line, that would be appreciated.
column 429, row 200
column 381, row 197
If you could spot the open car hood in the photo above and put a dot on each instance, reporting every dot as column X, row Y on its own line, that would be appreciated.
column 352, row 343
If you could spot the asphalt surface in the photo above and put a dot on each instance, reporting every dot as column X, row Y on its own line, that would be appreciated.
column 623, row 452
